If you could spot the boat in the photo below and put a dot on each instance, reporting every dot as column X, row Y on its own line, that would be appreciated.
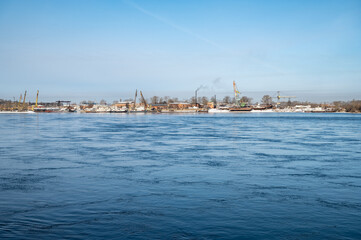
column 259, row 108
column 240, row 109
column 46, row 109
column 119, row 111
column 140, row 109
column 136, row 111
column 218, row 110
column 261, row 111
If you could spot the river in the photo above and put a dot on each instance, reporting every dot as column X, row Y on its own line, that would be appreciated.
column 180, row 176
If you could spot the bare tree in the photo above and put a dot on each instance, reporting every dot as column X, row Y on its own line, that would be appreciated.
column 192, row 100
column 204, row 100
column 227, row 99
column 246, row 100
column 266, row 100
column 154, row 99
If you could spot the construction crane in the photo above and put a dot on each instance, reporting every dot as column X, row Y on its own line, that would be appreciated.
column 143, row 100
column 279, row 97
column 24, row 100
column 21, row 98
column 135, row 98
column 36, row 101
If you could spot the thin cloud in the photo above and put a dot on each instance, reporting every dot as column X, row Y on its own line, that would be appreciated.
column 172, row 24
column 197, row 36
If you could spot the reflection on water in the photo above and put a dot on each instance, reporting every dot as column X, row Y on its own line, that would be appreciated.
column 227, row 176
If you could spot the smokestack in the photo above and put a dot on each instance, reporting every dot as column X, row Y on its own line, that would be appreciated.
column 196, row 95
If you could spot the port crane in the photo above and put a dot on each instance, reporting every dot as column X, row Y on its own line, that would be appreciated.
column 24, row 101
column 143, row 100
column 37, row 97
column 237, row 95
column 36, row 101
column 279, row 97
column 21, row 98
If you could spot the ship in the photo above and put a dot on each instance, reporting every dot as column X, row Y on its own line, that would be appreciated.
column 46, row 109
column 218, row 110
column 240, row 109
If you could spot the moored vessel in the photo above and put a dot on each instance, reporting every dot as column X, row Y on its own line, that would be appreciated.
column 240, row 109
column 46, row 109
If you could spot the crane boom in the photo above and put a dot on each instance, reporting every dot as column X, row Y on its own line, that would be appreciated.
column 143, row 100
column 279, row 96
column 135, row 98
column 236, row 92
column 24, row 100
column 36, row 101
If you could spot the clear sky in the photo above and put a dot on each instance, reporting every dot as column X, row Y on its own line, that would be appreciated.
column 106, row 49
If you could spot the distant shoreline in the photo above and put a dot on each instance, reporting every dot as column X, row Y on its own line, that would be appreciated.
column 171, row 113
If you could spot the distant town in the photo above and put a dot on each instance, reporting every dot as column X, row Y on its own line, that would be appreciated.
column 195, row 104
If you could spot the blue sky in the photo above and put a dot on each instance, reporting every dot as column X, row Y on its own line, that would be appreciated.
column 106, row 49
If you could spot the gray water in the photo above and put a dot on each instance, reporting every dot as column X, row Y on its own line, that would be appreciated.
column 223, row 176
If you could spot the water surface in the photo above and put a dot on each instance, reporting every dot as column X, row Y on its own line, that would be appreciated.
column 195, row 176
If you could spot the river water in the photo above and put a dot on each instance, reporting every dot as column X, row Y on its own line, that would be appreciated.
column 180, row 176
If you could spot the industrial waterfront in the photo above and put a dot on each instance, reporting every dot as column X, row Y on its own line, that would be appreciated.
column 180, row 120
column 155, row 104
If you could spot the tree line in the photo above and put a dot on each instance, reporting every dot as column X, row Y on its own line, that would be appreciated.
column 266, row 100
